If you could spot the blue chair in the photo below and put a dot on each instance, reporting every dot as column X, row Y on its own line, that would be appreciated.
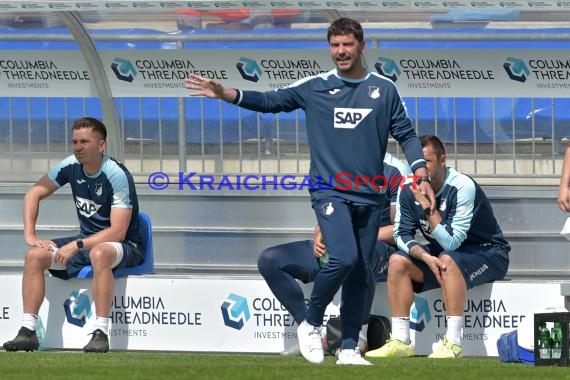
column 147, row 266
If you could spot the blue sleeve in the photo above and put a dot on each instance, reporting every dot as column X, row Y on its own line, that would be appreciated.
column 450, row 234
column 284, row 99
column 405, row 223
column 121, row 190
column 60, row 173
column 394, row 180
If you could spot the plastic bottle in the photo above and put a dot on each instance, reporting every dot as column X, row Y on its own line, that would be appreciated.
column 324, row 259
column 556, row 341
column 544, row 349
column 41, row 333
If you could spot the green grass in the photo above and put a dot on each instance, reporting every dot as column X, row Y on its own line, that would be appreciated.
column 167, row 366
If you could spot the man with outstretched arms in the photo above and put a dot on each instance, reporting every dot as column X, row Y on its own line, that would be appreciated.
column 350, row 112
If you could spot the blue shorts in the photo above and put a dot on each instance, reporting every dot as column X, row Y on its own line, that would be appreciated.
column 382, row 253
column 479, row 265
column 132, row 256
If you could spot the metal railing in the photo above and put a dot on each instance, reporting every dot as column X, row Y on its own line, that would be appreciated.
column 182, row 134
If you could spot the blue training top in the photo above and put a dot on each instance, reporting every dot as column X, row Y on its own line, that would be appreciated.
column 348, row 123
column 94, row 196
column 467, row 217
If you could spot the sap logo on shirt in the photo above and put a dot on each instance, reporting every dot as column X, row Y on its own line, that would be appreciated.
column 86, row 207
column 349, row 118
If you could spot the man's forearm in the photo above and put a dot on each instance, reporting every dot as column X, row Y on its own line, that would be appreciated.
column 31, row 210
column 229, row 94
column 386, row 234
column 417, row 252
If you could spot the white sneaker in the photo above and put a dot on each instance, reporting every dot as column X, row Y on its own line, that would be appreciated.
column 311, row 342
column 351, row 356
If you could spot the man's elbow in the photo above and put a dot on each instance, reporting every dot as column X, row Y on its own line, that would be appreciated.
column 118, row 235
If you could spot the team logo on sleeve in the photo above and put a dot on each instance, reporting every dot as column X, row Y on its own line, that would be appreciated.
column 349, row 118
column 86, row 207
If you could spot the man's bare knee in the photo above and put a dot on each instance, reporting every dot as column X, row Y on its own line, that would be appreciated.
column 37, row 256
column 102, row 256
column 449, row 263
column 397, row 263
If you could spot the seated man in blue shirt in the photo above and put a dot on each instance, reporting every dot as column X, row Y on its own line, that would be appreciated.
column 107, row 208
column 465, row 248
column 303, row 260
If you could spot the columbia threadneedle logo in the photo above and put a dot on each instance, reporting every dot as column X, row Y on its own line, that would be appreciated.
column 124, row 69
column 235, row 311
column 516, row 69
column 420, row 314
column 249, row 69
column 388, row 68
column 77, row 308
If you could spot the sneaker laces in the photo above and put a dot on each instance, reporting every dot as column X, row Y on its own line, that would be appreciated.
column 352, row 356
column 316, row 343
column 356, row 352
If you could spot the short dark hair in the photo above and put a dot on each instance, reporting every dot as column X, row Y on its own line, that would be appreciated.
column 344, row 26
column 435, row 143
column 91, row 122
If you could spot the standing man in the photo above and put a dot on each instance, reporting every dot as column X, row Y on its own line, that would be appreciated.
column 465, row 248
column 107, row 208
column 282, row 265
column 349, row 112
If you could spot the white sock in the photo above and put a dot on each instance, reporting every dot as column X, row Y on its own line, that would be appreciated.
column 454, row 325
column 102, row 324
column 363, row 338
column 29, row 321
column 401, row 329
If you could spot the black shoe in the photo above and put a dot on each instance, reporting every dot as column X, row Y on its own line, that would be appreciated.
column 99, row 342
column 26, row 340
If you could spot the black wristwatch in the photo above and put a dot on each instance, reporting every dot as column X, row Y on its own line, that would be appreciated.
column 423, row 178
column 79, row 243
